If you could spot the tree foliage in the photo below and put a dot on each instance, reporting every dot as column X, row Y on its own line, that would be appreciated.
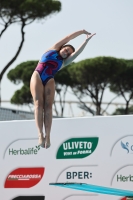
column 121, row 111
column 22, row 96
column 22, row 74
column 122, row 82
column 87, row 78
column 92, row 77
column 24, row 12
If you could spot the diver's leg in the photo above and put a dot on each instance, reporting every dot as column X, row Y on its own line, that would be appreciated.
column 49, row 92
column 37, row 89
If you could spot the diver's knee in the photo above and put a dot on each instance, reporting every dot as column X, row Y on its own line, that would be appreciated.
column 38, row 104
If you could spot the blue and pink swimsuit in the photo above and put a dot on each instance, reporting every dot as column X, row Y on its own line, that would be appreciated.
column 49, row 65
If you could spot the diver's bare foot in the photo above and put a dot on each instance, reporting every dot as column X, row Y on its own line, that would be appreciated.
column 47, row 142
column 41, row 140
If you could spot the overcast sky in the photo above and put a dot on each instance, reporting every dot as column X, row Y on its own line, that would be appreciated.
column 111, row 20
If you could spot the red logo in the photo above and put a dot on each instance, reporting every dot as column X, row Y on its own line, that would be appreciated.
column 24, row 177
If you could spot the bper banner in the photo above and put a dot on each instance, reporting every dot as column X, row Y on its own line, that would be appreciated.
column 89, row 158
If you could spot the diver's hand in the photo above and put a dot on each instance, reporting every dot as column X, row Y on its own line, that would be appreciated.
column 89, row 36
column 86, row 32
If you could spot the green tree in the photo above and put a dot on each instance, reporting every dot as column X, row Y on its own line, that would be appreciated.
column 92, row 77
column 22, row 74
column 7, row 16
column 122, row 82
column 87, row 78
column 121, row 111
column 22, row 97
column 24, row 12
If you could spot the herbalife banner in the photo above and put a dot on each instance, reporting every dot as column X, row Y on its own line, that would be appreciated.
column 89, row 158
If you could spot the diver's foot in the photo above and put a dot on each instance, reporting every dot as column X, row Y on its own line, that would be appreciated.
column 47, row 142
column 41, row 141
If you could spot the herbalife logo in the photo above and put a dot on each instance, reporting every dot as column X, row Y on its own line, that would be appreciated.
column 28, row 151
column 127, row 147
column 121, row 178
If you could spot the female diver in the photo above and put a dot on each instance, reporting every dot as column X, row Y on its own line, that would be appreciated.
column 42, row 84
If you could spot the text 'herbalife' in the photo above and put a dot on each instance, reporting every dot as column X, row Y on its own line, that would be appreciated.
column 29, row 151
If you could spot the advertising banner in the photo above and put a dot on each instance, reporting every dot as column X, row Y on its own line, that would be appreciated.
column 89, row 158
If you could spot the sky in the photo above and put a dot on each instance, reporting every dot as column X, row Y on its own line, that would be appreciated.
column 112, row 21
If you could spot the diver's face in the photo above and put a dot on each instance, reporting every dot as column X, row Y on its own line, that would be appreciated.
column 65, row 52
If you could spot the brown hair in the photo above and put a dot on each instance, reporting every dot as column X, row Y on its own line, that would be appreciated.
column 68, row 45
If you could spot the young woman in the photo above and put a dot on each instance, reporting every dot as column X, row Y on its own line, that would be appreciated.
column 42, row 83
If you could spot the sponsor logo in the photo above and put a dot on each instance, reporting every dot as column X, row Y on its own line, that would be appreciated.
column 127, row 147
column 24, row 177
column 20, row 147
column 30, row 198
column 21, row 152
column 76, row 148
column 121, row 178
column 123, row 146
column 79, row 175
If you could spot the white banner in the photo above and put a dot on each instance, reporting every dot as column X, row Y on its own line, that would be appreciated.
column 89, row 158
